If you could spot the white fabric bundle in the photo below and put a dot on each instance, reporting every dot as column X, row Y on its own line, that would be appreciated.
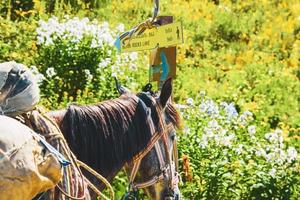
column 19, row 91
column 27, row 167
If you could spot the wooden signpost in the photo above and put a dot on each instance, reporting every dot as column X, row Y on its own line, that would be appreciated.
column 162, row 36
column 161, row 41
column 163, row 59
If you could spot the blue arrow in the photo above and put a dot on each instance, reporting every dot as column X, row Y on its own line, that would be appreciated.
column 118, row 43
column 164, row 66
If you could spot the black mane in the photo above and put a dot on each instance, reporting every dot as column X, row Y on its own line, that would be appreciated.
column 108, row 134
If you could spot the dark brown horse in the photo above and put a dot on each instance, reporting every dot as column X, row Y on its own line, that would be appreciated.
column 114, row 133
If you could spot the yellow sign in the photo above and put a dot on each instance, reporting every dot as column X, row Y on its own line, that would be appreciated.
column 162, row 36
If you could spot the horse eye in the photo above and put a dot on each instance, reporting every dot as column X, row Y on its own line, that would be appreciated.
column 173, row 137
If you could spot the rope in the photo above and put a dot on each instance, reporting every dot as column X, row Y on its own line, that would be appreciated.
column 80, row 163
column 139, row 29
column 69, row 196
column 101, row 178
column 65, row 148
column 94, row 188
column 57, row 135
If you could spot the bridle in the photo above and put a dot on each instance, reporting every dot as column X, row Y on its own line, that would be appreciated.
column 168, row 168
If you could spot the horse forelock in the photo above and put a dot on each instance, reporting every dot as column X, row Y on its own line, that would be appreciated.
column 151, row 100
column 173, row 115
column 108, row 134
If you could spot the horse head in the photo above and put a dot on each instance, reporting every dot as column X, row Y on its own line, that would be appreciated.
column 155, row 172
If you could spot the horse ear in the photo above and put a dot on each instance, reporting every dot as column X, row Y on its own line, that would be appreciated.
column 166, row 92
column 121, row 89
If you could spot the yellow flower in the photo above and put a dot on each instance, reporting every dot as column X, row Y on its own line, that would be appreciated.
column 230, row 58
column 251, row 106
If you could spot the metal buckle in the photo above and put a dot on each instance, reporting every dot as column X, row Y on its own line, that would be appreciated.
column 130, row 196
column 170, row 195
column 132, row 193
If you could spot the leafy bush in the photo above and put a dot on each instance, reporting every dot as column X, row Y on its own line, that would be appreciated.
column 17, row 41
column 78, row 60
column 246, row 52
column 232, row 158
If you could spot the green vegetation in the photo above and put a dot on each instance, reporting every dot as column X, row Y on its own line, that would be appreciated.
column 238, row 56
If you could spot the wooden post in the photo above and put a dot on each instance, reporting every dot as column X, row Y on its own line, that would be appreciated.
column 156, row 58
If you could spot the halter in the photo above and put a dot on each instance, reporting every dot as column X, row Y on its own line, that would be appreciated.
column 167, row 169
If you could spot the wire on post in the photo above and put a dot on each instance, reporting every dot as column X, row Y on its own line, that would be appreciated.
column 148, row 24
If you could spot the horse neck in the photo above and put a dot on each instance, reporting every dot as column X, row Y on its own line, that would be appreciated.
column 129, row 141
column 57, row 116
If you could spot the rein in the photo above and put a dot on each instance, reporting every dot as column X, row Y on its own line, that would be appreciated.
column 168, row 169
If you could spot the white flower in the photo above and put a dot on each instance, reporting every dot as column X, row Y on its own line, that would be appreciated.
column 278, row 131
column 291, row 154
column 114, row 74
column 228, row 139
column 224, row 161
column 202, row 93
column 272, row 172
column 88, row 75
column 33, row 69
column 231, row 111
column 208, row 132
column 190, row 101
column 213, row 124
column 74, row 30
column 239, row 149
column 244, row 117
column 261, row 152
column 105, row 24
column 210, row 108
column 224, row 104
column 181, row 106
column 133, row 56
column 270, row 157
column 104, row 63
column 39, row 78
column 204, row 142
column 50, row 72
column 275, row 137
column 225, row 8
column 94, row 44
column 132, row 66
column 280, row 154
column 248, row 113
column 251, row 130
column 186, row 129
column 218, row 139
column 120, row 28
